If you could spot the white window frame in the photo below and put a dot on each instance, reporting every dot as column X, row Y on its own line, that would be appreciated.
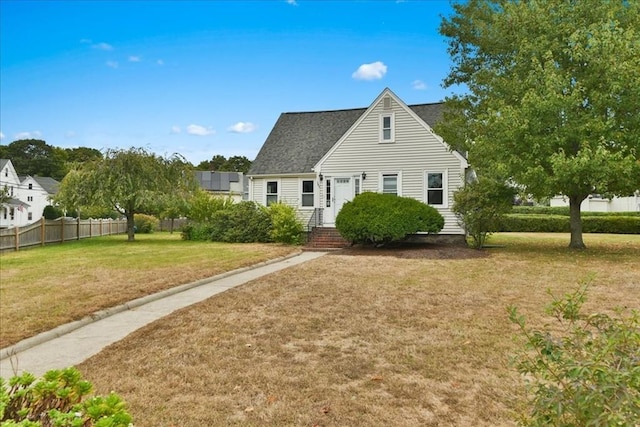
column 266, row 190
column 392, row 128
column 312, row 193
column 445, row 191
column 398, row 176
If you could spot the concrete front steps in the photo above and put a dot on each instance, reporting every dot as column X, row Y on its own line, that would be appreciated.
column 326, row 238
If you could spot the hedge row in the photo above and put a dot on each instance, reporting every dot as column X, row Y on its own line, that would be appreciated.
column 563, row 210
column 560, row 224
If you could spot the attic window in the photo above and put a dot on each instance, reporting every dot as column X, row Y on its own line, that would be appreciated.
column 386, row 103
column 30, row 186
column 387, row 128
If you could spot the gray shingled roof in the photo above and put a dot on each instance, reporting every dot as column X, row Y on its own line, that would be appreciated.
column 299, row 140
column 50, row 185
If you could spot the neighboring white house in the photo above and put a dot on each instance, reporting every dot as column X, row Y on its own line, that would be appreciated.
column 318, row 161
column 228, row 184
column 596, row 203
column 28, row 196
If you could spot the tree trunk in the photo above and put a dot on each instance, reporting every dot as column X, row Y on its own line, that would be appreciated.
column 131, row 236
column 575, row 223
column 171, row 227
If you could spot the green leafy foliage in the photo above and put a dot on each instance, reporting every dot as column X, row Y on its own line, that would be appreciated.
column 202, row 206
column 241, row 223
column 553, row 95
column 220, row 163
column 285, row 225
column 615, row 224
column 146, row 223
column 52, row 212
column 126, row 180
column 375, row 218
column 585, row 370
column 480, row 205
column 59, row 398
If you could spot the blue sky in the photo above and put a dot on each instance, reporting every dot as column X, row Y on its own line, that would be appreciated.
column 205, row 77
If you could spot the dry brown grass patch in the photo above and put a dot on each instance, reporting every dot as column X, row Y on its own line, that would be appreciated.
column 357, row 340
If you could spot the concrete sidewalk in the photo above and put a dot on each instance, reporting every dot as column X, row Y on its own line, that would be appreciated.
column 70, row 344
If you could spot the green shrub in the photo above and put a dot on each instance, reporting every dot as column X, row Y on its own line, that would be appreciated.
column 564, row 210
column 611, row 224
column 585, row 371
column 374, row 218
column 615, row 224
column 203, row 206
column 145, row 223
column 58, row 399
column 197, row 231
column 479, row 207
column 52, row 212
column 534, row 223
column 285, row 225
column 241, row 223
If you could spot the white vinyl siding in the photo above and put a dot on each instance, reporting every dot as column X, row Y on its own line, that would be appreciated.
column 416, row 150
column 288, row 192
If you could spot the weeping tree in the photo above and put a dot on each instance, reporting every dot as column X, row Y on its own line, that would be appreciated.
column 128, row 181
column 552, row 100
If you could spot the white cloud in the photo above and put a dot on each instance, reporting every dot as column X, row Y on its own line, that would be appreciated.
column 86, row 41
column 242, row 127
column 112, row 64
column 175, row 129
column 160, row 62
column 374, row 71
column 28, row 135
column 199, row 130
column 1, row 135
column 134, row 58
column 102, row 46
column 419, row 85
column 70, row 134
column 292, row 2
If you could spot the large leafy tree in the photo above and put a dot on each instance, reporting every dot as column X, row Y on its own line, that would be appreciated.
column 552, row 100
column 221, row 164
column 35, row 157
column 128, row 181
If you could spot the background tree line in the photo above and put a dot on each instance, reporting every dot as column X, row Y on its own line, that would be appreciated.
column 35, row 157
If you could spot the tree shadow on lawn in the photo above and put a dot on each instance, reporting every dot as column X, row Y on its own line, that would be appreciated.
column 416, row 250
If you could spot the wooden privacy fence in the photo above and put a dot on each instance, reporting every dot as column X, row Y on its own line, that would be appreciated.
column 58, row 231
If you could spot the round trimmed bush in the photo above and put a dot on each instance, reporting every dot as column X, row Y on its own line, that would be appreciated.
column 374, row 218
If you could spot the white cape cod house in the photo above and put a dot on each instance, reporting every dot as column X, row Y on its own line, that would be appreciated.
column 318, row 161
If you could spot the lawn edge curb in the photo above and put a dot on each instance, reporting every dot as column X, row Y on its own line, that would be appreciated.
column 58, row 331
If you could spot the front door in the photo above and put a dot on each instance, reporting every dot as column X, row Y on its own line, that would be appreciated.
column 342, row 193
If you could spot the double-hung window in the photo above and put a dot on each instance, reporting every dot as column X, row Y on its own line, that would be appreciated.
column 390, row 183
column 307, row 197
column 387, row 128
column 272, row 192
column 435, row 188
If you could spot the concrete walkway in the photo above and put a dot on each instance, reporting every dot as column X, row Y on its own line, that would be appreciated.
column 70, row 344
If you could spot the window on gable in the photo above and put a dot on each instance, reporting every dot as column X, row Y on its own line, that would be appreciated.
column 272, row 192
column 29, row 216
column 307, row 193
column 387, row 131
column 390, row 183
column 435, row 188
column 29, row 198
column 30, row 186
